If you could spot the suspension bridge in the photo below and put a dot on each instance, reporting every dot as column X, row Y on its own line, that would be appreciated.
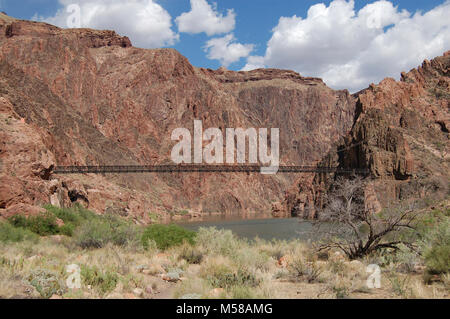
column 196, row 168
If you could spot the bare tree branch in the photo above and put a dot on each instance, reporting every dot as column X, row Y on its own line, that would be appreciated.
column 347, row 224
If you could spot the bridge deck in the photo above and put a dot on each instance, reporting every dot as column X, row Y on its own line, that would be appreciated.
column 199, row 169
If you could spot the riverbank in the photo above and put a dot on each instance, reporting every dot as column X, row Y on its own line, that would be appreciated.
column 114, row 259
column 218, row 266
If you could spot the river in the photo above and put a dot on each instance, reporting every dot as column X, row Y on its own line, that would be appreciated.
column 266, row 228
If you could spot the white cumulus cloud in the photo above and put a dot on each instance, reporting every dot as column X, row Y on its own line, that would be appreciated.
column 145, row 22
column 254, row 62
column 349, row 48
column 226, row 50
column 204, row 17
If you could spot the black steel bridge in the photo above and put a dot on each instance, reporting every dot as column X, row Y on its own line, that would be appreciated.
column 197, row 168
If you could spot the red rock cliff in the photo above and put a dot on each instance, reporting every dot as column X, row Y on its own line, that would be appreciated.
column 87, row 97
column 401, row 134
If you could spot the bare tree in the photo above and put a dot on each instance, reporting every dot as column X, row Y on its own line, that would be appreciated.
column 346, row 224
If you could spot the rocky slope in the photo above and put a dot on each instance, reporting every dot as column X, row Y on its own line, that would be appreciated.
column 87, row 97
column 400, row 133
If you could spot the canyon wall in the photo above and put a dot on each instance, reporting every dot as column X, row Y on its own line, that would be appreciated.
column 88, row 97
column 400, row 133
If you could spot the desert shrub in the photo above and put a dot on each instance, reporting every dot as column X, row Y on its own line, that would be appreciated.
column 436, row 248
column 222, row 276
column 46, row 283
column 240, row 292
column 400, row 286
column 43, row 224
column 341, row 291
column 191, row 254
column 281, row 274
column 192, row 288
column 298, row 269
column 336, row 266
column 123, row 232
column 214, row 241
column 247, row 278
column 406, row 259
column 275, row 249
column 9, row 233
column 277, row 252
column 252, row 257
column 103, row 282
column 166, row 236
column 96, row 233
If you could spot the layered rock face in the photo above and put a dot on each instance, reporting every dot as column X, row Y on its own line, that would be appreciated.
column 400, row 133
column 87, row 97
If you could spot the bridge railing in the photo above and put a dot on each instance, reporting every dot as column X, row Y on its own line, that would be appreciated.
column 192, row 168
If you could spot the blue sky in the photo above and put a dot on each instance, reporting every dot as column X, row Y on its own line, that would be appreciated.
column 254, row 22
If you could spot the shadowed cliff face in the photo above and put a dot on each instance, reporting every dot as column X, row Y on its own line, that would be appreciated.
column 87, row 97
column 400, row 134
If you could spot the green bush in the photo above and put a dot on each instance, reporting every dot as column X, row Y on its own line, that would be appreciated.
column 72, row 217
column 103, row 282
column 65, row 214
column 96, row 233
column 436, row 248
column 166, row 236
column 43, row 225
column 437, row 259
column 75, row 215
column 90, row 230
column 9, row 233
column 18, row 221
column 67, row 229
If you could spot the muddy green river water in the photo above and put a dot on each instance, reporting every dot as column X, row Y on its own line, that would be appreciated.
column 267, row 228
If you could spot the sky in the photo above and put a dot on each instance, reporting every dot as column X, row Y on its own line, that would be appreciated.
column 348, row 43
